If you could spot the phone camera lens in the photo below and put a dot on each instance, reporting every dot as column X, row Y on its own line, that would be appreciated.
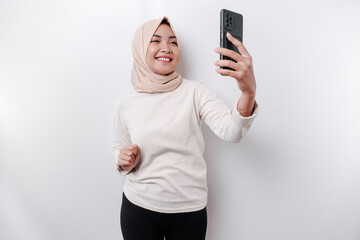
column 227, row 15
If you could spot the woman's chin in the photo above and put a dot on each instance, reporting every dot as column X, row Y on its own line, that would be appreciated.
column 165, row 72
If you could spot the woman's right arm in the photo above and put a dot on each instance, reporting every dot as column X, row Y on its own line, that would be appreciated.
column 125, row 154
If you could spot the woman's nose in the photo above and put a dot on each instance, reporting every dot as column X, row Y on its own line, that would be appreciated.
column 165, row 47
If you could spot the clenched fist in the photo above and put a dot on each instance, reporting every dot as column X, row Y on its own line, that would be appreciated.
column 128, row 157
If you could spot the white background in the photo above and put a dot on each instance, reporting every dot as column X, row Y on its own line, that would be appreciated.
column 64, row 63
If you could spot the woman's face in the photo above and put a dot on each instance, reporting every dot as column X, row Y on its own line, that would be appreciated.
column 163, row 53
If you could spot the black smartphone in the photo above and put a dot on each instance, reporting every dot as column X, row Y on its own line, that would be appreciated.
column 231, row 22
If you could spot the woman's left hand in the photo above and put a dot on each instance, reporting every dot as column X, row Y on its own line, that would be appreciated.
column 243, row 68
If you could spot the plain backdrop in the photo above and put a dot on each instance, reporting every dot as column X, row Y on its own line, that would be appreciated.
column 64, row 63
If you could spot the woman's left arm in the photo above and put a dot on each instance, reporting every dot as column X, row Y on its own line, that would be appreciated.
column 243, row 73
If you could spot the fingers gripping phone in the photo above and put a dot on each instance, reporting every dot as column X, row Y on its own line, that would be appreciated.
column 230, row 22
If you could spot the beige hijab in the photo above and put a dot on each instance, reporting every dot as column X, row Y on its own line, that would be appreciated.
column 142, row 78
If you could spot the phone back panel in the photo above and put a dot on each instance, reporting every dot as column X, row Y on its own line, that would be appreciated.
column 230, row 22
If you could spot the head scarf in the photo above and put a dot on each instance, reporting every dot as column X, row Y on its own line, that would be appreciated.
column 142, row 78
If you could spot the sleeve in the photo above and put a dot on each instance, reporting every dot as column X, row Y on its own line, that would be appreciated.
column 226, row 123
column 122, row 136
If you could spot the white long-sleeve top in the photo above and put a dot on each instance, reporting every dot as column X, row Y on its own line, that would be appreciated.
column 171, row 174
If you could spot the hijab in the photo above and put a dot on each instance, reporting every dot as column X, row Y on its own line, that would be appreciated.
column 143, row 78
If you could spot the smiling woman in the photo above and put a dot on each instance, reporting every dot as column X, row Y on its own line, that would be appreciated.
column 158, row 141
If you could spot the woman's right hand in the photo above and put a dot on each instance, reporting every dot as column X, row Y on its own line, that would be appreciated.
column 128, row 157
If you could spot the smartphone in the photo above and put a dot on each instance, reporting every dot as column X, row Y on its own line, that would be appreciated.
column 230, row 22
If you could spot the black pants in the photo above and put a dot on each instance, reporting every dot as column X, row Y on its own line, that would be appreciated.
column 138, row 223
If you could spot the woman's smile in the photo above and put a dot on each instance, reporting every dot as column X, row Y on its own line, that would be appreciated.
column 164, row 60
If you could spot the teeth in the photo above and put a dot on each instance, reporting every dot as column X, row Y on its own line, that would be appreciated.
column 164, row 59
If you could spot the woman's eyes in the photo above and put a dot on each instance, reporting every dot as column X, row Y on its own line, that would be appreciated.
column 159, row 41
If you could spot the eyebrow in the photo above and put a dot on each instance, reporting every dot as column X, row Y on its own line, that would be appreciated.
column 160, row 36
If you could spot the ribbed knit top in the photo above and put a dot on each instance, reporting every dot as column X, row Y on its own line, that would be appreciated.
column 171, row 174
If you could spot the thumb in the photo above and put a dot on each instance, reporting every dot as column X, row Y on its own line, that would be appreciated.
column 136, row 148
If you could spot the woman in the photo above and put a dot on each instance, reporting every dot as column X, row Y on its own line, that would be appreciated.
column 158, row 141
